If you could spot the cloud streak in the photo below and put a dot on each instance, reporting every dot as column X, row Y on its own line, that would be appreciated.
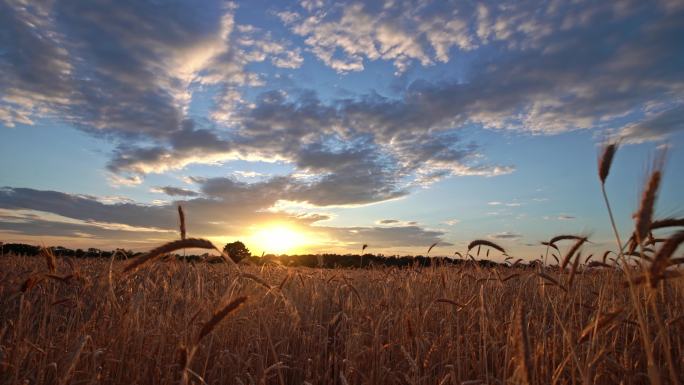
column 225, row 209
column 505, row 235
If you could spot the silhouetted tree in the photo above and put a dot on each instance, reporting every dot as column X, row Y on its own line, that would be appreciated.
column 237, row 251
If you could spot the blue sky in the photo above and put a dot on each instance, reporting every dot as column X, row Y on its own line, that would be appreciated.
column 395, row 124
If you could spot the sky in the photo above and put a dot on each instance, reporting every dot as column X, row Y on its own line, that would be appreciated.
column 320, row 126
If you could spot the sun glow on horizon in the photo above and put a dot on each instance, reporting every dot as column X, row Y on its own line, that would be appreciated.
column 279, row 239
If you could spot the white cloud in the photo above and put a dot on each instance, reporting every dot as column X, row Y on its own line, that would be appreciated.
column 249, row 174
column 342, row 37
column 128, row 181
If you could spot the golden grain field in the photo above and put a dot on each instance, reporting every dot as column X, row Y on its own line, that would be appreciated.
column 437, row 325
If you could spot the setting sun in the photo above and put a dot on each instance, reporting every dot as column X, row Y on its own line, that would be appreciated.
column 278, row 239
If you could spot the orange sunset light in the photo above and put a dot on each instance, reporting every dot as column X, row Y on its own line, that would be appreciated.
column 279, row 239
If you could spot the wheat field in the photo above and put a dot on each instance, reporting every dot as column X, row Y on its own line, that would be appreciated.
column 437, row 325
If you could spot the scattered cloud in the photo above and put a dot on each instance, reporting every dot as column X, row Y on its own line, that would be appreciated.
column 175, row 191
column 388, row 221
column 505, row 235
column 507, row 204
column 396, row 222
column 529, row 85
column 561, row 217
column 126, row 181
column 656, row 126
column 342, row 37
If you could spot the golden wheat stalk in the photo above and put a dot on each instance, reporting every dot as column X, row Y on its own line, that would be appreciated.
column 644, row 216
column 676, row 261
column 552, row 280
column 196, row 243
column 484, row 242
column 598, row 324
column 646, row 277
column 50, row 259
column 605, row 161
column 655, row 225
column 662, row 258
column 71, row 361
column 666, row 222
column 565, row 237
column 260, row 281
column 450, row 302
column 181, row 218
column 573, row 270
column 514, row 275
column 523, row 345
column 605, row 255
column 572, row 251
column 32, row 281
column 219, row 316
column 549, row 244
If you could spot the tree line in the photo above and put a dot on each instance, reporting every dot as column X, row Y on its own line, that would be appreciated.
column 239, row 253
